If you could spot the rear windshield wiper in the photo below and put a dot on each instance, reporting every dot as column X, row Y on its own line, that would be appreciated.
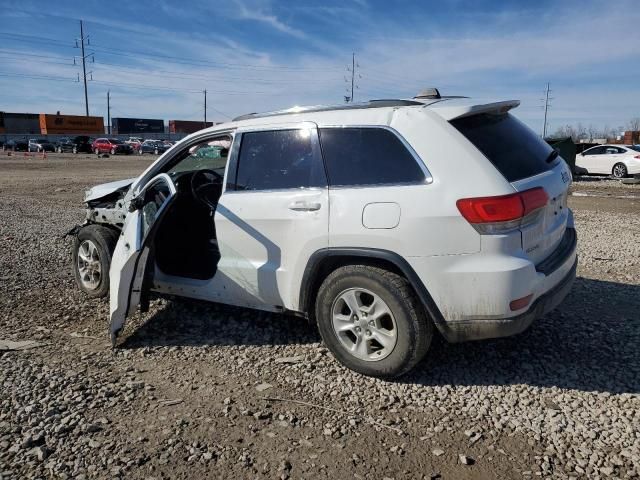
column 552, row 156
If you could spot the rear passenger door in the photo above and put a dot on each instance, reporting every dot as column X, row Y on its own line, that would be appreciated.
column 376, row 184
column 273, row 213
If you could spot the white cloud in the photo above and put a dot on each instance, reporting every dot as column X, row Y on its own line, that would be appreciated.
column 258, row 14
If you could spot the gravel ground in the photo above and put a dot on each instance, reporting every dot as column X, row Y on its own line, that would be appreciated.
column 206, row 391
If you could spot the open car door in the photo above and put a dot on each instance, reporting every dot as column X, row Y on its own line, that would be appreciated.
column 129, row 259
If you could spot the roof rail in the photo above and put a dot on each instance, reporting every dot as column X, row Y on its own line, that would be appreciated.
column 327, row 108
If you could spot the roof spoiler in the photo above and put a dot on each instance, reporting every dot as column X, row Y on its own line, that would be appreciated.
column 453, row 111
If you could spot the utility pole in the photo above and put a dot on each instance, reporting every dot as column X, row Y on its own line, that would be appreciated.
column 354, row 86
column 546, row 108
column 84, row 41
column 205, row 108
column 353, row 72
column 84, row 70
column 109, row 111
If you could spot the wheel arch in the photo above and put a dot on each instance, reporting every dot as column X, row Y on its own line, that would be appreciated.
column 325, row 261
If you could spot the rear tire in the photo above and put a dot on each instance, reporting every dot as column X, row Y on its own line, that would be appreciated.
column 97, row 243
column 405, row 331
column 619, row 170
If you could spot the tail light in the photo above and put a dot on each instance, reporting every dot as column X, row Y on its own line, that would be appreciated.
column 637, row 156
column 502, row 214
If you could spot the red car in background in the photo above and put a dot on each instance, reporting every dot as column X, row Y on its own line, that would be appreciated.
column 110, row 145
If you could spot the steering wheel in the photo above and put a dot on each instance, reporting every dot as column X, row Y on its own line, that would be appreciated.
column 204, row 183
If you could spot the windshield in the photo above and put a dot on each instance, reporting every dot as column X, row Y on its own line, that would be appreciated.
column 42, row 140
column 115, row 140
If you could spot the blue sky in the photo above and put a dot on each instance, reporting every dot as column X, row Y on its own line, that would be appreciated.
column 156, row 57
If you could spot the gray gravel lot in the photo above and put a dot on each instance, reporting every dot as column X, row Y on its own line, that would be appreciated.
column 206, row 391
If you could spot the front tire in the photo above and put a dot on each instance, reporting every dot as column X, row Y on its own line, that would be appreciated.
column 372, row 321
column 92, row 250
column 619, row 170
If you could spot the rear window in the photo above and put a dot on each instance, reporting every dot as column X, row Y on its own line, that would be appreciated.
column 512, row 147
column 635, row 147
column 367, row 156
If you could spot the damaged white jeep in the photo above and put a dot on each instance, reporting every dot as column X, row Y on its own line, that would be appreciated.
column 380, row 222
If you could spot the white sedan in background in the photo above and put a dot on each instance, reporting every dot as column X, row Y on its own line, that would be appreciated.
column 616, row 160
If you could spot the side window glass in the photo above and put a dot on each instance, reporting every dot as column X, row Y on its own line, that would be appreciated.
column 208, row 155
column 155, row 198
column 367, row 156
column 279, row 159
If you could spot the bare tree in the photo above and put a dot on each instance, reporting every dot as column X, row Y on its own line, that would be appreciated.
column 592, row 132
column 634, row 124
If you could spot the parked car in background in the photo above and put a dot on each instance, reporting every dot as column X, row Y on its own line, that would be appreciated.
column 111, row 145
column 16, row 146
column 616, row 160
column 356, row 217
column 81, row 143
column 153, row 146
column 135, row 142
column 41, row 145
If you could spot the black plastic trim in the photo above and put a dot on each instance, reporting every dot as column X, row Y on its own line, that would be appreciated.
column 315, row 261
column 560, row 254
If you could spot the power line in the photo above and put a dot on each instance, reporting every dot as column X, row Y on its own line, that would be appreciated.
column 37, row 77
column 129, row 85
column 177, row 59
column 137, row 53
column 228, row 79
column 35, row 39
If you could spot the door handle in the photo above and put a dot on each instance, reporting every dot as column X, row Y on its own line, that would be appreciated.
column 305, row 206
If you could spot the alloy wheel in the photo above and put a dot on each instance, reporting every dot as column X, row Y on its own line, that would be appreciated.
column 364, row 324
column 88, row 265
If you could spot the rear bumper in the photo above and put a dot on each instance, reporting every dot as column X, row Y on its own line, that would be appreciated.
column 479, row 329
column 472, row 293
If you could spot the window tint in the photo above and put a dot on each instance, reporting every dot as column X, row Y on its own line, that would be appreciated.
column 279, row 159
column 512, row 147
column 595, row 151
column 367, row 156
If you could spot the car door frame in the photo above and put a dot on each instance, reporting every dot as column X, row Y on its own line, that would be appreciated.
column 129, row 262
column 286, row 292
column 590, row 159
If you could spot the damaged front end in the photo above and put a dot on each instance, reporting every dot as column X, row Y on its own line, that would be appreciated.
column 106, row 205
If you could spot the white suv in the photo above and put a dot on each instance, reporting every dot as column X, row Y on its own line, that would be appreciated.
column 379, row 222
